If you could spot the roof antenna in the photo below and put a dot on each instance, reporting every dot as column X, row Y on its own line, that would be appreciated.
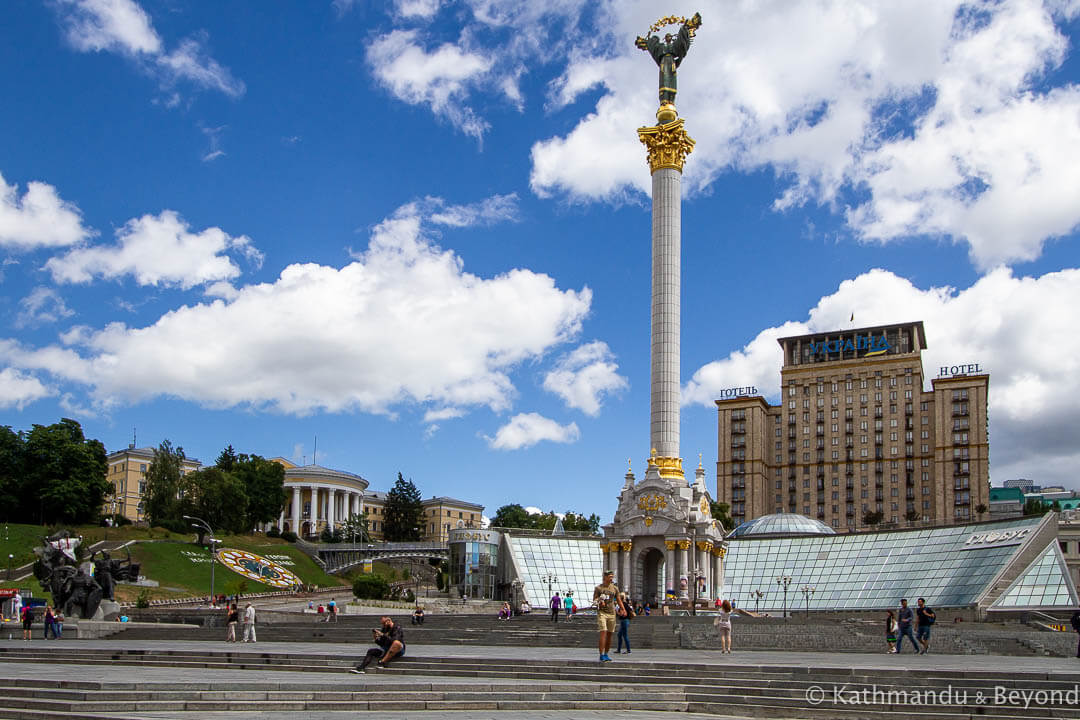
column 134, row 436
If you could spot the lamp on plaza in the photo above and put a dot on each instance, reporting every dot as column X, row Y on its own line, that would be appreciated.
column 808, row 592
column 550, row 579
column 784, row 581
column 10, row 557
column 757, row 595
column 199, row 523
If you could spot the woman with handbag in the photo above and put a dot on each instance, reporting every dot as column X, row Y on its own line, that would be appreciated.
column 723, row 623
column 624, row 623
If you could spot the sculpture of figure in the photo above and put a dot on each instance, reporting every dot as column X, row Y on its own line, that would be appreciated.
column 81, row 594
column 73, row 591
column 669, row 54
column 103, row 574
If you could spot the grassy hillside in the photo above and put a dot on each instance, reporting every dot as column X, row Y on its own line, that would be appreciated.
column 179, row 566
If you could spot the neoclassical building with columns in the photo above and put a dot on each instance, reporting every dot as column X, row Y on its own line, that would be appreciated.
column 663, row 536
column 319, row 497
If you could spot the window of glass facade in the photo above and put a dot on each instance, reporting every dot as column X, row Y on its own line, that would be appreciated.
column 473, row 567
column 1042, row 584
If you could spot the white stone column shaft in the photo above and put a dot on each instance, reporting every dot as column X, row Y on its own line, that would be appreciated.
column 297, row 506
column 626, row 582
column 664, row 402
column 331, row 501
column 613, row 560
column 684, row 560
column 669, row 571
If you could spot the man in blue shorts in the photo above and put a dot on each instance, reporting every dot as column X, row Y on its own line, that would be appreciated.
column 926, row 618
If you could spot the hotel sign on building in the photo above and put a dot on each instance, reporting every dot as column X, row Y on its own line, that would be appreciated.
column 856, row 439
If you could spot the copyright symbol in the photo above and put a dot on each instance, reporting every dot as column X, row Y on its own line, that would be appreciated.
column 815, row 695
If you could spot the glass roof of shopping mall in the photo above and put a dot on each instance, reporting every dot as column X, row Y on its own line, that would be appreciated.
column 782, row 524
column 949, row 566
column 1042, row 584
column 574, row 563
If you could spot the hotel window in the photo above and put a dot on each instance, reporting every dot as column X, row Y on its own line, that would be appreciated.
column 806, row 404
column 847, row 386
column 924, row 406
column 892, row 382
column 924, row 448
column 907, row 394
column 862, row 384
column 863, row 411
column 848, row 399
column 791, row 405
column 862, row 398
column 791, row 392
column 877, row 397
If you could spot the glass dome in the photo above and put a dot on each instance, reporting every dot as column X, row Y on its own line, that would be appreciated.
column 781, row 524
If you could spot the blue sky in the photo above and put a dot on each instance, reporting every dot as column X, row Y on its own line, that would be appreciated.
column 419, row 230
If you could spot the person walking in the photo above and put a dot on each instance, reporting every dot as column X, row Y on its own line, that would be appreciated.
column 1076, row 626
column 926, row 618
column 608, row 601
column 723, row 624
column 904, row 621
column 555, row 604
column 27, row 615
column 890, row 631
column 231, row 621
column 249, row 623
column 331, row 611
column 568, row 604
column 624, row 618
column 58, row 624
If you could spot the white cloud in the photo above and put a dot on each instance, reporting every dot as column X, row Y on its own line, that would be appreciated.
column 214, row 151
column 495, row 209
column 926, row 117
column 425, row 9
column 582, row 376
column 443, row 414
column 42, row 306
column 403, row 324
column 113, row 25
column 19, row 389
column 160, row 251
column 123, row 27
column 527, row 429
column 439, row 78
column 38, row 219
column 1011, row 325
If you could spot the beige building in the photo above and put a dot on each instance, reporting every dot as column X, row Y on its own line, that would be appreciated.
column 127, row 475
column 321, row 497
column 856, row 433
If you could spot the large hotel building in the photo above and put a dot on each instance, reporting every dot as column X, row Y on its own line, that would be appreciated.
column 856, row 437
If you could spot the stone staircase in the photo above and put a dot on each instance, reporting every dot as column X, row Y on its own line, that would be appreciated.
column 739, row 688
column 654, row 632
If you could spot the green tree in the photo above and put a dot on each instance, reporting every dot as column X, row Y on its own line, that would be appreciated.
column 404, row 512
column 11, row 474
column 227, row 459
column 264, row 485
column 513, row 516
column 370, row 587
column 166, row 496
column 1035, row 506
column 572, row 521
column 721, row 512
column 873, row 517
column 218, row 498
column 63, row 474
column 355, row 528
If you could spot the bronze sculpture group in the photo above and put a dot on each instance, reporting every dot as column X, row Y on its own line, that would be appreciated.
column 76, row 593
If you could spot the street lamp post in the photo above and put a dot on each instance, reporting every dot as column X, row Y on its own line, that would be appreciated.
column 808, row 592
column 784, row 580
column 550, row 578
column 757, row 595
column 202, row 524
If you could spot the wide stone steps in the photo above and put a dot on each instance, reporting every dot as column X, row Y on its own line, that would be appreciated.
column 456, row 683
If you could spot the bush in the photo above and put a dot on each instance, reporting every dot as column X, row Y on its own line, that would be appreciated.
column 288, row 536
column 370, row 587
column 273, row 531
column 143, row 600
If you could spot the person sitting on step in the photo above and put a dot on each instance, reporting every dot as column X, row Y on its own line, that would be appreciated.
column 391, row 642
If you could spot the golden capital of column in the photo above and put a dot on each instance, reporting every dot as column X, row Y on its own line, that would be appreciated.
column 684, row 544
column 669, row 544
column 667, row 144
column 704, row 545
column 627, row 545
column 670, row 467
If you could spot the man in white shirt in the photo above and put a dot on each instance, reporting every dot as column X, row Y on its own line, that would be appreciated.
column 249, row 623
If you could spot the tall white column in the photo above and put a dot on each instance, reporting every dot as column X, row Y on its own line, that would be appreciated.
column 331, row 501
column 297, row 506
column 316, row 508
column 666, row 312
column 613, row 558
